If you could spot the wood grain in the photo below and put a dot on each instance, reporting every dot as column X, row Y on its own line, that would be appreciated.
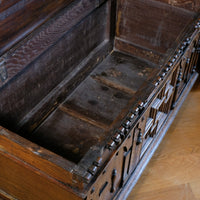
column 35, row 156
column 138, row 27
column 180, row 192
column 5, row 4
column 173, row 173
column 186, row 4
column 42, row 39
column 26, row 184
column 21, row 18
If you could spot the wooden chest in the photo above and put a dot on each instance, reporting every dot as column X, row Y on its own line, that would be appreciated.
column 88, row 89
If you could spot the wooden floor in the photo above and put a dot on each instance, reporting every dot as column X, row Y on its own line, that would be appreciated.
column 174, row 171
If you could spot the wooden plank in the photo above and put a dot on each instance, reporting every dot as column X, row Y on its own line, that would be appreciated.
column 23, row 182
column 178, row 192
column 5, row 4
column 155, row 32
column 32, row 154
column 125, row 71
column 193, row 5
column 68, row 134
column 141, row 52
column 5, row 196
column 98, row 101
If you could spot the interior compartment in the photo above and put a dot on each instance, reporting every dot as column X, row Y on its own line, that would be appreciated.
column 92, row 111
column 77, row 92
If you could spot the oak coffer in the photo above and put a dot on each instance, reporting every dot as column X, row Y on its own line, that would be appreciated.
column 88, row 89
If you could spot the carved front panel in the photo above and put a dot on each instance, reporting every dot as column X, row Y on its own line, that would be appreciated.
column 109, row 181
column 186, row 66
column 120, row 167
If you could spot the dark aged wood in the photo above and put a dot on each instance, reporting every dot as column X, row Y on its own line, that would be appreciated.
column 70, row 44
column 19, row 18
column 88, row 90
column 186, row 4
